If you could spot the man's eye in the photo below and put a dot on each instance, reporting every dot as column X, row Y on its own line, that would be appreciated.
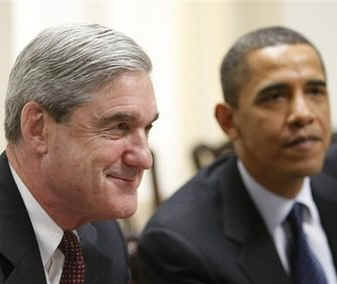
column 317, row 91
column 123, row 126
column 271, row 96
column 275, row 95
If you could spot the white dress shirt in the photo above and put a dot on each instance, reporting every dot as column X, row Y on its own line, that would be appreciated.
column 275, row 208
column 47, row 232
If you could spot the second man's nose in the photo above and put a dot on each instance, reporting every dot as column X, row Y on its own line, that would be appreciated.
column 300, row 112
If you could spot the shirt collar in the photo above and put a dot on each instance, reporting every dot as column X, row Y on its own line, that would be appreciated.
column 48, row 233
column 274, row 208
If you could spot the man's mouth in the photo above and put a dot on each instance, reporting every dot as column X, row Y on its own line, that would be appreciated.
column 129, row 175
column 302, row 141
column 122, row 178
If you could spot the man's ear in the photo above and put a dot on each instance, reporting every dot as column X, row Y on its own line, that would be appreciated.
column 34, row 126
column 224, row 114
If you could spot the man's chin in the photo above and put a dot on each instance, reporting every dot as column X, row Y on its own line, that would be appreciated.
column 126, row 211
column 119, row 214
column 125, row 214
column 308, row 170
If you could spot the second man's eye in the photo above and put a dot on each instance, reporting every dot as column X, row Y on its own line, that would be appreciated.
column 272, row 93
column 316, row 88
column 317, row 91
column 271, row 96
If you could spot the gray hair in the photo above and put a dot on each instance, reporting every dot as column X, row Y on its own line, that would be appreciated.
column 63, row 65
column 235, row 71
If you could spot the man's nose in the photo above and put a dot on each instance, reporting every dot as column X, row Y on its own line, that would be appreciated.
column 138, row 153
column 301, row 112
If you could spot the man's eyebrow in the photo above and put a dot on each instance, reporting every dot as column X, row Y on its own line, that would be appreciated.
column 121, row 116
column 317, row 82
column 276, row 86
column 270, row 89
column 116, row 117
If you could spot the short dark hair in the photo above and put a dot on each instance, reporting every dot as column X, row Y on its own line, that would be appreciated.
column 234, row 68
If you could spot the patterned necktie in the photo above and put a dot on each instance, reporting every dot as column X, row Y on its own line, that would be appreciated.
column 74, row 266
column 305, row 267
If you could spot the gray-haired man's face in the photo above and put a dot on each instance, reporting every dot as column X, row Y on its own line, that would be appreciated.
column 96, row 160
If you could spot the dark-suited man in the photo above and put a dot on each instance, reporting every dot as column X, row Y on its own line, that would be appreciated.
column 79, row 108
column 260, row 216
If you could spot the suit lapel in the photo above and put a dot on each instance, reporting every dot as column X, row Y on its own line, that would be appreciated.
column 18, row 244
column 243, row 225
column 27, row 271
column 260, row 261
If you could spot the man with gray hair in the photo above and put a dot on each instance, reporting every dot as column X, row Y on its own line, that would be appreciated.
column 79, row 108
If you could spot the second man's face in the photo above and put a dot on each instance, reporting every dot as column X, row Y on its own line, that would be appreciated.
column 283, row 119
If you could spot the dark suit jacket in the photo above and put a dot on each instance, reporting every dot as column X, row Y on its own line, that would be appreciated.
column 20, row 262
column 330, row 165
column 211, row 232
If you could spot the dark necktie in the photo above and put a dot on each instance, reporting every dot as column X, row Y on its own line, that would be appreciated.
column 74, row 266
column 305, row 267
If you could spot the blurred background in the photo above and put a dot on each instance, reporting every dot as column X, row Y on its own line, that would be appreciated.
column 186, row 40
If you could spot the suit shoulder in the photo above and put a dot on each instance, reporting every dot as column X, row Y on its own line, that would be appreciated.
column 199, row 199
column 330, row 162
column 109, row 230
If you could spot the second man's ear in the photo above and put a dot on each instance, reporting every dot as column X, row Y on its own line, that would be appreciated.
column 225, row 116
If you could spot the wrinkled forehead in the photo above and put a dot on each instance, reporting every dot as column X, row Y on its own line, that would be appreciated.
column 130, row 93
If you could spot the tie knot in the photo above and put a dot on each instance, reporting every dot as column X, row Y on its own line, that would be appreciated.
column 70, row 245
column 296, row 213
column 74, row 266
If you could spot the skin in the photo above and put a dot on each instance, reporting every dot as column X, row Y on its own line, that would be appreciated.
column 89, row 167
column 281, row 127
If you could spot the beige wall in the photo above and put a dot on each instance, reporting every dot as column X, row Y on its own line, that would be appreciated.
column 186, row 41
column 6, row 50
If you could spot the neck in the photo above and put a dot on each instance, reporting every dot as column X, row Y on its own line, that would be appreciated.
column 27, row 167
column 283, row 185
